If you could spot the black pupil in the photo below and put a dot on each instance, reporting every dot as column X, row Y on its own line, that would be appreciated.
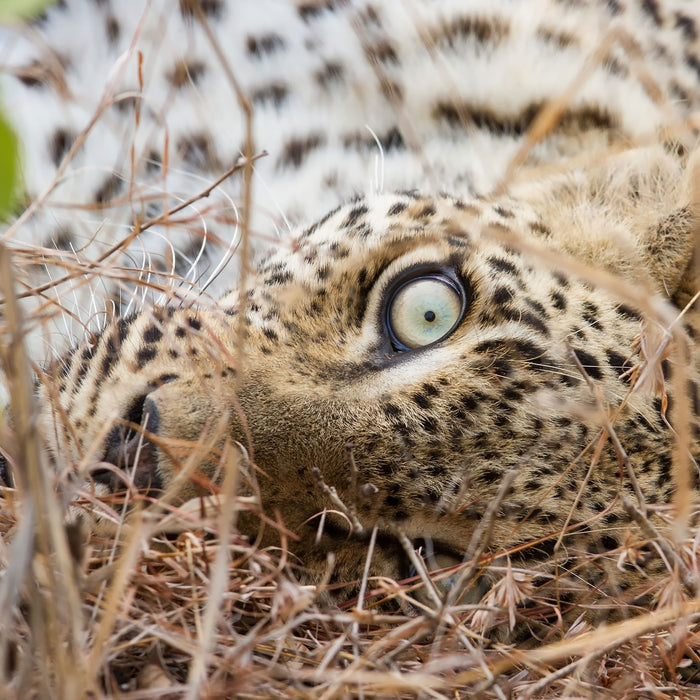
column 429, row 316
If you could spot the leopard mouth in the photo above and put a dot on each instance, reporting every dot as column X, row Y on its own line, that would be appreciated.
column 131, row 452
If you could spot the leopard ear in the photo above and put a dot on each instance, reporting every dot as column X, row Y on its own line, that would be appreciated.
column 670, row 247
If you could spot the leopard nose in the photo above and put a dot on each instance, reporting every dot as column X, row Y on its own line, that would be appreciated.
column 129, row 448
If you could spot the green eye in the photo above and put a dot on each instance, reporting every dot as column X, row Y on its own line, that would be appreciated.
column 424, row 309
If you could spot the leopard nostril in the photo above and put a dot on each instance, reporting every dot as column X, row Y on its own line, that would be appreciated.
column 129, row 448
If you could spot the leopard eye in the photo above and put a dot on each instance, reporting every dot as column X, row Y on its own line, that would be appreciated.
column 424, row 308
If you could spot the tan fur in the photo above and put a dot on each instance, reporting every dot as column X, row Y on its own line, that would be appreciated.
column 432, row 432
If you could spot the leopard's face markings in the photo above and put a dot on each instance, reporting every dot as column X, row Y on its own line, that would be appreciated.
column 407, row 357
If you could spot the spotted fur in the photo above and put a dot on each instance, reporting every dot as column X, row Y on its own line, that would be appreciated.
column 570, row 264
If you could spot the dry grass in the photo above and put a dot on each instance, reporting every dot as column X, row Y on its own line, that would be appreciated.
column 180, row 605
column 175, row 603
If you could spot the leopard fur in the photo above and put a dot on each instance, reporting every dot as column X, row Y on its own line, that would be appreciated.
column 566, row 269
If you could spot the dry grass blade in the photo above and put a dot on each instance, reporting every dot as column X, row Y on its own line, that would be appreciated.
column 53, row 566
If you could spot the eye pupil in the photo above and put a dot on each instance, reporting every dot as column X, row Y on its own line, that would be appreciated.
column 429, row 316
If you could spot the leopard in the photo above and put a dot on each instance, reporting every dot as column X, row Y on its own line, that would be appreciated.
column 485, row 357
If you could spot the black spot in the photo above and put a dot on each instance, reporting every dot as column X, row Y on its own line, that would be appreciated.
column 468, row 27
column 501, row 265
column 501, row 368
column 279, row 277
column 615, row 67
column 430, row 425
column 489, row 476
column 323, row 272
column 502, row 414
column 503, row 295
column 145, row 355
column 210, row 8
column 561, row 279
column 616, row 361
column 198, row 151
column 539, row 229
column 666, row 369
column 392, row 501
column 490, row 347
column 589, row 363
column 155, row 159
column 397, row 208
column 166, row 378
column 687, row 26
column 558, row 300
column 591, row 314
column 430, row 390
column 269, row 333
column 651, row 7
column 536, row 355
column 664, row 474
column 112, row 29
column 84, row 365
column 693, row 394
column 392, row 140
column 382, row 52
column 311, row 10
column 112, row 348
column 529, row 319
column 152, row 334
column 628, row 313
column 186, row 73
column 471, row 403
column 502, row 211
column 62, row 238
column 465, row 115
column 296, row 151
column 274, row 94
column 329, row 74
column 259, row 46
column 557, row 38
column 421, row 400
column 61, row 143
column 511, row 393
column 109, row 189
column 359, row 140
column 354, row 215
column 537, row 307
column 693, row 62
column 391, row 410
column 180, row 332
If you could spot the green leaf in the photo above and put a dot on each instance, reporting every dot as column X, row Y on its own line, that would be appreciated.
column 8, row 167
column 21, row 9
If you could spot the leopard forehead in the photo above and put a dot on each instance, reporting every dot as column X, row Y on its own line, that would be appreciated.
column 363, row 238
